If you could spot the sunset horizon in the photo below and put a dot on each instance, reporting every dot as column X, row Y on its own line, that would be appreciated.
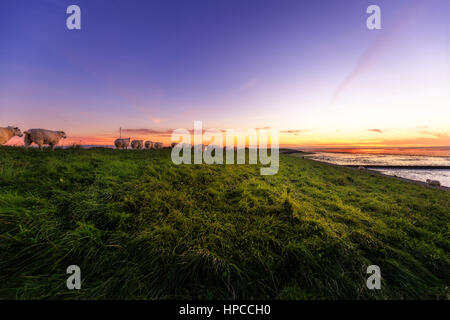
column 287, row 139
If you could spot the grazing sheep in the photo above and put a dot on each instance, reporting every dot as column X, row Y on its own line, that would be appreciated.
column 7, row 133
column 122, row 143
column 43, row 136
column 158, row 145
column 137, row 144
column 148, row 144
column 361, row 168
column 434, row 183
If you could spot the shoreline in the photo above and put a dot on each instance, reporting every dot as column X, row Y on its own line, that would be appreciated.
column 397, row 167
column 388, row 151
column 405, row 179
column 368, row 169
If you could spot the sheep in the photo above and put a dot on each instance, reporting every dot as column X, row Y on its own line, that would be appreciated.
column 122, row 143
column 158, row 145
column 148, row 144
column 137, row 144
column 43, row 136
column 7, row 133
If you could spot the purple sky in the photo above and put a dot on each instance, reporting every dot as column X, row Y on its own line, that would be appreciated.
column 310, row 66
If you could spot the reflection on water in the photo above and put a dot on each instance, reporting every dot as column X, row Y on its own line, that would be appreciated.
column 425, row 151
column 380, row 159
column 406, row 157
column 420, row 174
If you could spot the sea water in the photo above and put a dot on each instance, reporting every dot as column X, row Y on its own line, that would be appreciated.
column 399, row 157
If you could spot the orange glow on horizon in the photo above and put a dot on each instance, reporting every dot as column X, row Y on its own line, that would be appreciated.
column 311, row 139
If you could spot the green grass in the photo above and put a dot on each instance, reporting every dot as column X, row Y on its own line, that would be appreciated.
column 141, row 227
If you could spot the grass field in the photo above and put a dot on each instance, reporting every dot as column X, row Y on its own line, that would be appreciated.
column 141, row 227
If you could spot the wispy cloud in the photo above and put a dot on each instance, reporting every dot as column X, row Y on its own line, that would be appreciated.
column 294, row 132
column 166, row 132
column 147, row 131
column 157, row 120
column 436, row 134
column 249, row 84
column 375, row 130
column 373, row 52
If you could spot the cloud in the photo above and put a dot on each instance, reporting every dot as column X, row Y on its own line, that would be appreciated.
column 371, row 55
column 249, row 84
column 147, row 131
column 375, row 130
column 415, row 142
column 156, row 120
column 290, row 131
column 295, row 132
column 160, row 133
column 168, row 132
column 436, row 134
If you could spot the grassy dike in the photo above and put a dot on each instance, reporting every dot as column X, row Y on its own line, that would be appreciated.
column 141, row 227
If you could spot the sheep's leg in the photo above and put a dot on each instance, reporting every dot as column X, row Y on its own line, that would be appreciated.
column 27, row 141
column 52, row 146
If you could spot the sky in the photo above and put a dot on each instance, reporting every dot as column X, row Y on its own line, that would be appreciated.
column 311, row 69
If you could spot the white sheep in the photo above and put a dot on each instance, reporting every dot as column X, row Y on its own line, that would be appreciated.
column 43, row 136
column 148, row 144
column 7, row 133
column 137, row 144
column 122, row 143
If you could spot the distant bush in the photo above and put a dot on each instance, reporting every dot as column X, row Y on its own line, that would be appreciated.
column 74, row 146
